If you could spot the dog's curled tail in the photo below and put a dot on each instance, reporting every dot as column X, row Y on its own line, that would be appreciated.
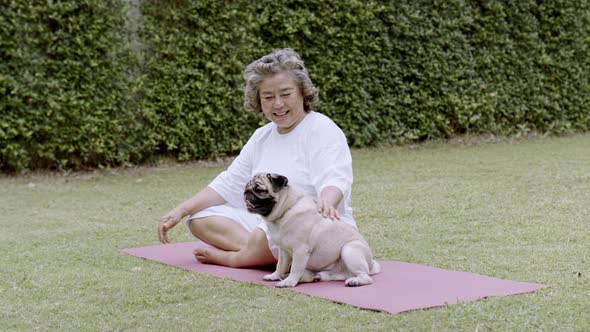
column 375, row 268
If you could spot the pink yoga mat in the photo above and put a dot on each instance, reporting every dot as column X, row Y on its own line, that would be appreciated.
column 399, row 287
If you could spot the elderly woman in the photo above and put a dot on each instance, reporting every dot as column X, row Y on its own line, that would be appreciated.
column 305, row 146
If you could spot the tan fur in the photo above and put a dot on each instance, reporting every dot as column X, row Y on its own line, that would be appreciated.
column 313, row 248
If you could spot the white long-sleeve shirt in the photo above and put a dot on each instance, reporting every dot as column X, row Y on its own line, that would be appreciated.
column 312, row 156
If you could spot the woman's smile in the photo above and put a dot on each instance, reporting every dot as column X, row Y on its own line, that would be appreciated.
column 281, row 115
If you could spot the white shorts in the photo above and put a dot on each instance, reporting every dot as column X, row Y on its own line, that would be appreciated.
column 250, row 221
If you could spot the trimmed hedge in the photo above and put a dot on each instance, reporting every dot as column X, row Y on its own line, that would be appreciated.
column 73, row 93
column 65, row 92
column 429, row 69
column 194, row 56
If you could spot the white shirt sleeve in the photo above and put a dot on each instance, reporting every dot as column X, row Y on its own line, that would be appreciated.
column 331, row 160
column 230, row 184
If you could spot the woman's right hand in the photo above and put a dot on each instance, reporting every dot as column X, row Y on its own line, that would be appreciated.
column 167, row 222
column 201, row 200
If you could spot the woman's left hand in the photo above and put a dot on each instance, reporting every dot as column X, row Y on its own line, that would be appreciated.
column 327, row 210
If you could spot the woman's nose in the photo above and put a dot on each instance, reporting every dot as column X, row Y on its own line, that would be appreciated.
column 278, row 102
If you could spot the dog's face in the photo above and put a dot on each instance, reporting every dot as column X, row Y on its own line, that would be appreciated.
column 262, row 192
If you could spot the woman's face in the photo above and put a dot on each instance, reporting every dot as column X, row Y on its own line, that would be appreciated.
column 282, row 101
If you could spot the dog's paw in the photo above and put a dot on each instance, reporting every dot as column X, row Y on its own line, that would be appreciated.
column 289, row 282
column 271, row 277
column 352, row 282
column 358, row 281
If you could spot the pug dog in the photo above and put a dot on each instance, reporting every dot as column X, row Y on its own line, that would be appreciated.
column 311, row 247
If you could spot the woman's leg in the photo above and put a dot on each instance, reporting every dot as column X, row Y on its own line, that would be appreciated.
column 219, row 232
column 254, row 253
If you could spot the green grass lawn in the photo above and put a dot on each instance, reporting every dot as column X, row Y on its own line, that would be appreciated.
column 518, row 211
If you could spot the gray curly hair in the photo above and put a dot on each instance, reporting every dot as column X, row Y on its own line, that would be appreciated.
column 282, row 60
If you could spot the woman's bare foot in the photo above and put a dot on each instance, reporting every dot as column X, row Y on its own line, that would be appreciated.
column 255, row 253
column 212, row 255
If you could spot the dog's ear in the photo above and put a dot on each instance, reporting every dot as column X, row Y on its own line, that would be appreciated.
column 278, row 182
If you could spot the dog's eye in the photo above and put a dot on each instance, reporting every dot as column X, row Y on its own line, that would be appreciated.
column 259, row 190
